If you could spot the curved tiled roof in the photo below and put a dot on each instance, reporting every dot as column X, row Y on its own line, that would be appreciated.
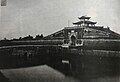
column 86, row 22
column 84, row 17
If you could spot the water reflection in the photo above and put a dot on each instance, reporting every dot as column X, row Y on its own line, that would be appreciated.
column 45, row 73
column 41, row 73
column 80, row 65
column 90, row 65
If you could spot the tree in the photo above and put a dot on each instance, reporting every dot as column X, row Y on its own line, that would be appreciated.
column 29, row 37
column 41, row 35
column 38, row 37
column 20, row 38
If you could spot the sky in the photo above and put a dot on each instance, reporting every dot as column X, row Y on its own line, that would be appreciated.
column 31, row 17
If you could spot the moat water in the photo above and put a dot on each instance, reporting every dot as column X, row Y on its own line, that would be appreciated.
column 91, row 66
column 45, row 73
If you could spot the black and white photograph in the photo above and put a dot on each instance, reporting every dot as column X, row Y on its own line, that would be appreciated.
column 59, row 40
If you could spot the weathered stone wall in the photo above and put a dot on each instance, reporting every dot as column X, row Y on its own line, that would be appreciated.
column 104, row 44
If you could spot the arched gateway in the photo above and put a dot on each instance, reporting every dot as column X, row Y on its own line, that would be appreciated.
column 73, row 40
column 72, row 37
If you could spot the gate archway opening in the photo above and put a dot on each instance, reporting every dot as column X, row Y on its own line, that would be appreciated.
column 73, row 40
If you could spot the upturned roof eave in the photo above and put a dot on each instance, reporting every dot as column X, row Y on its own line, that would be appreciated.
column 84, row 17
